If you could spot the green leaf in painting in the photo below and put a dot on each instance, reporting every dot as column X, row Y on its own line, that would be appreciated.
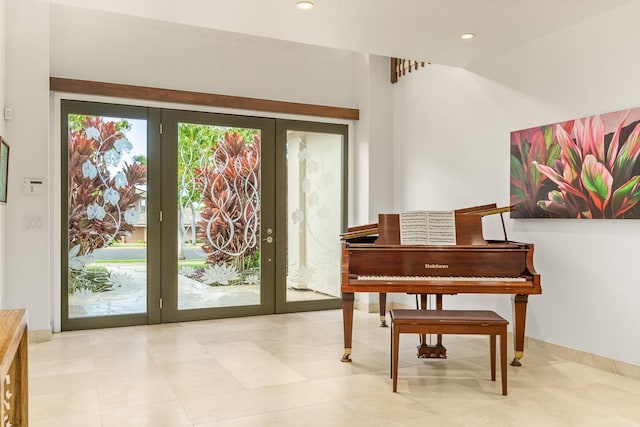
column 628, row 156
column 626, row 196
column 597, row 180
column 612, row 152
column 563, row 185
column 571, row 155
column 555, row 204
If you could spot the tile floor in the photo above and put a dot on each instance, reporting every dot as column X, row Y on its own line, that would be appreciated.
column 285, row 370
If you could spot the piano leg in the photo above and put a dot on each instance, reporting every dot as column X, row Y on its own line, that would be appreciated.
column 383, row 309
column 426, row 351
column 519, row 318
column 423, row 338
column 347, row 323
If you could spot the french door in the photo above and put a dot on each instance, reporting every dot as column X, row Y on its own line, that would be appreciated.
column 312, row 198
column 218, row 227
column 174, row 215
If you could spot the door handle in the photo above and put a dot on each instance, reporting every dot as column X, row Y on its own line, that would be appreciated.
column 268, row 239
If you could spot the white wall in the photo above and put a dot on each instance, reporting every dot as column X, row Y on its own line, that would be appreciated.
column 451, row 135
column 373, row 166
column 380, row 138
column 106, row 47
column 3, row 7
column 27, row 251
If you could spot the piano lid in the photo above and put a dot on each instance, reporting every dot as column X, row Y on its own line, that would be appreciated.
column 468, row 224
column 360, row 231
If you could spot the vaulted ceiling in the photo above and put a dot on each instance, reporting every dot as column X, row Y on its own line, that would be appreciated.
column 426, row 30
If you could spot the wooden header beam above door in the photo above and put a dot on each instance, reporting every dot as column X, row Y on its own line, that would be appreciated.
column 198, row 98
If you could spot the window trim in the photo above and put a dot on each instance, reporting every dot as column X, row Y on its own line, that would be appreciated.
column 87, row 87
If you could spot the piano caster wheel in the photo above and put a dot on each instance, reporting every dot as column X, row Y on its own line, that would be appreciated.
column 346, row 358
column 383, row 324
column 516, row 359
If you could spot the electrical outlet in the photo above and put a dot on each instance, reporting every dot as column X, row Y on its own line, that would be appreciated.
column 32, row 222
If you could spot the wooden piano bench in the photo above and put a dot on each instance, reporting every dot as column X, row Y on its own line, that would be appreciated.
column 473, row 322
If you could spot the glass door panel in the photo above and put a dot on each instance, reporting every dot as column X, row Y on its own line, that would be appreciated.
column 105, row 214
column 315, row 213
column 218, row 216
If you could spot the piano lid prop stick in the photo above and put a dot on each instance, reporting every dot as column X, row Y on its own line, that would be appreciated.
column 504, row 230
column 494, row 211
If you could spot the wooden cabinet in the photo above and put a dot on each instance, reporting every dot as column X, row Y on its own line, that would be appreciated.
column 14, row 390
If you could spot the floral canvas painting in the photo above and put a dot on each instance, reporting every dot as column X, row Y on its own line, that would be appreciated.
column 582, row 168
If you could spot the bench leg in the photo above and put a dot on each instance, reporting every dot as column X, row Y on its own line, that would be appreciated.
column 492, row 351
column 394, row 356
column 503, row 360
column 391, row 354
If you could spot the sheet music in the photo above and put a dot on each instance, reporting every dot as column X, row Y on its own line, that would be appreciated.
column 428, row 228
column 441, row 226
column 413, row 228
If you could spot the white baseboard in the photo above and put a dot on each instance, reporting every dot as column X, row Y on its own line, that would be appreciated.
column 584, row 358
column 40, row 335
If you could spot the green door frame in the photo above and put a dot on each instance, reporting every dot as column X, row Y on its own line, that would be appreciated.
column 162, row 215
column 170, row 120
column 152, row 116
column 282, row 127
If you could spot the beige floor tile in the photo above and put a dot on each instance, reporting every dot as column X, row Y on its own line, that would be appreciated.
column 63, row 383
column 190, row 388
column 155, row 414
column 295, row 395
column 322, row 415
column 285, row 370
column 63, row 366
column 199, row 377
column 267, row 376
column 53, row 405
column 89, row 419
column 612, row 420
column 222, row 405
column 149, row 391
column 253, row 366
column 61, row 346
column 314, row 369
column 133, row 374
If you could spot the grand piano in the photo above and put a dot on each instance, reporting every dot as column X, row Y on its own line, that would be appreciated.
column 373, row 260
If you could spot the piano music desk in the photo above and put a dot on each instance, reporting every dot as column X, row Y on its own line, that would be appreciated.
column 475, row 322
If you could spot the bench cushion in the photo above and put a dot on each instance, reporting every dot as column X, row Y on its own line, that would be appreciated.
column 452, row 317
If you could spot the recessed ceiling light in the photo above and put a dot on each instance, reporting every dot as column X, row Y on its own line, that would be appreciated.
column 304, row 5
column 467, row 36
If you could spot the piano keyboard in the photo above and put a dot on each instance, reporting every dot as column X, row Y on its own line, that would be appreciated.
column 443, row 278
